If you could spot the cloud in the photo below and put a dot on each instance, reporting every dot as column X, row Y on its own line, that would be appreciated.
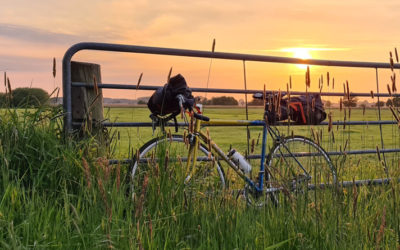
column 30, row 34
column 24, row 63
column 42, row 36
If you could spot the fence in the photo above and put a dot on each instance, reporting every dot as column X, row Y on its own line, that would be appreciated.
column 69, row 124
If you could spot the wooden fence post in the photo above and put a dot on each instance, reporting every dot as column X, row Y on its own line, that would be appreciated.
column 87, row 103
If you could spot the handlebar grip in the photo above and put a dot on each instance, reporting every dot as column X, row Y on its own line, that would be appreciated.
column 201, row 117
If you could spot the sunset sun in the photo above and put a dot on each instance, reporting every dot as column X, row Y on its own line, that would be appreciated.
column 301, row 53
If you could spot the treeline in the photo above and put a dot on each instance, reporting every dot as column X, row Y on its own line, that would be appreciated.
column 24, row 98
column 222, row 100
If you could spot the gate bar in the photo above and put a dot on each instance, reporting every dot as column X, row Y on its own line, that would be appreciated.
column 230, row 91
column 181, row 124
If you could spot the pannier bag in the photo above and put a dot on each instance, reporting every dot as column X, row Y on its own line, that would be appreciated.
column 303, row 109
column 164, row 102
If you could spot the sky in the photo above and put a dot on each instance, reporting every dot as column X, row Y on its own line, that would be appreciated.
column 32, row 33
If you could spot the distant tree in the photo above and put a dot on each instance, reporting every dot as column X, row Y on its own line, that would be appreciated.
column 380, row 104
column 256, row 102
column 393, row 102
column 29, row 97
column 352, row 102
column 328, row 103
column 142, row 102
column 2, row 99
column 223, row 100
column 202, row 100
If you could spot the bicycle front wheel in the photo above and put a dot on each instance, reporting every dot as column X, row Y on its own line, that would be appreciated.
column 297, row 164
column 169, row 156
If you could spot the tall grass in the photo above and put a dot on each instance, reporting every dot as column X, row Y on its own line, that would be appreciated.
column 56, row 193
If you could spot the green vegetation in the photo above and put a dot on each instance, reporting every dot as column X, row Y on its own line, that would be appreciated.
column 393, row 102
column 222, row 100
column 24, row 98
column 56, row 192
column 350, row 102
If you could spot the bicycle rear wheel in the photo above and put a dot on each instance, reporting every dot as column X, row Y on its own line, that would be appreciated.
column 297, row 165
column 169, row 154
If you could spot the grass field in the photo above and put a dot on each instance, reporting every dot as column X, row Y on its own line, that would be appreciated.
column 59, row 193
column 342, row 138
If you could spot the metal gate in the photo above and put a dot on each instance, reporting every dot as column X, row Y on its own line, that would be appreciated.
column 68, row 84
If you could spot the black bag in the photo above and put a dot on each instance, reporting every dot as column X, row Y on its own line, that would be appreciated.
column 300, row 109
column 164, row 102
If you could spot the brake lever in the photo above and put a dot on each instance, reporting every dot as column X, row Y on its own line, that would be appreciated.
column 181, row 101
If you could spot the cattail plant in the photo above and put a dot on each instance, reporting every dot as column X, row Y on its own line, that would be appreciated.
column 87, row 172
column 166, row 160
column 308, row 79
column 103, row 196
column 169, row 75
column 169, row 134
column 327, row 79
column 391, row 61
column 264, row 97
column 5, row 81
column 378, row 152
column 118, row 173
column 208, row 141
column 346, row 144
column 313, row 105
column 355, row 198
column 213, row 46
column 54, row 67
column 393, row 78
column 9, row 87
column 139, row 81
column 382, row 227
column 140, row 204
column 150, row 223
column 278, row 104
column 389, row 90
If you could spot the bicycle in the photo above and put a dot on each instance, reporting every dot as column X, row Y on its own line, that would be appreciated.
column 294, row 163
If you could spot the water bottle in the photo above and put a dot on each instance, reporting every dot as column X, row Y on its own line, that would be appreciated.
column 237, row 158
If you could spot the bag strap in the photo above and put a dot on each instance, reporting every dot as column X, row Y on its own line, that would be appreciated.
column 162, row 121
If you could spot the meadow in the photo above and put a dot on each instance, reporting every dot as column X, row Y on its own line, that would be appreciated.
column 342, row 138
column 58, row 192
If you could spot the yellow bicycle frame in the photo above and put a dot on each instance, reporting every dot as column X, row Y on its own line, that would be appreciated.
column 199, row 135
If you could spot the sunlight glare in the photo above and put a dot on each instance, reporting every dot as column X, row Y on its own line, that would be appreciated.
column 301, row 53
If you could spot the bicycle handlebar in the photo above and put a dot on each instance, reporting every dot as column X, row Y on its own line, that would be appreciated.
column 201, row 117
column 181, row 99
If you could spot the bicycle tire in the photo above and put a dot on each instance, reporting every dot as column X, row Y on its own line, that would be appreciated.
column 200, row 183
column 284, row 171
